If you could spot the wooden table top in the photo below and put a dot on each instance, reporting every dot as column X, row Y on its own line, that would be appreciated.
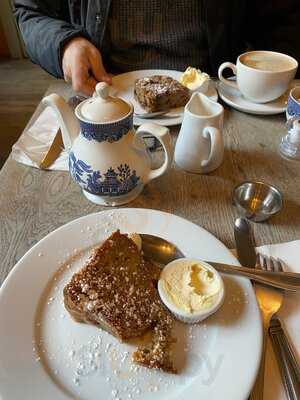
column 35, row 202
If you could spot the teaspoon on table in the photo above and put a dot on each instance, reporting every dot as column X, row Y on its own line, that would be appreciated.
column 163, row 252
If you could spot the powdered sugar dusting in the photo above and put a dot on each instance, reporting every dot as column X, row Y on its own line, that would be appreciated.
column 91, row 364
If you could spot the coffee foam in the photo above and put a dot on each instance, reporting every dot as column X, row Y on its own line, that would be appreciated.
column 267, row 61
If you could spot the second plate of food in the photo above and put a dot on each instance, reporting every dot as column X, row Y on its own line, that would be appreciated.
column 124, row 87
column 45, row 354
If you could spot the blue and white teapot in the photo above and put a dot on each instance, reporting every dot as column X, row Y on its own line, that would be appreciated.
column 107, row 158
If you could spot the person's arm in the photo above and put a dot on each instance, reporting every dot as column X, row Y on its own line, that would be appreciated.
column 45, row 28
column 61, row 48
column 274, row 25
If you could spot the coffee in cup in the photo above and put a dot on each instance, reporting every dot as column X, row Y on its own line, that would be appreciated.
column 261, row 76
column 266, row 61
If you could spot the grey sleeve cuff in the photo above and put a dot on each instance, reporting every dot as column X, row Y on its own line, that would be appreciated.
column 45, row 37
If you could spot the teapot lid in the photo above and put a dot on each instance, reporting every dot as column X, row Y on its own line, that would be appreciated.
column 103, row 108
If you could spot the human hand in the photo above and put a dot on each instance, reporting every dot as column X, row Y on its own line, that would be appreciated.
column 82, row 65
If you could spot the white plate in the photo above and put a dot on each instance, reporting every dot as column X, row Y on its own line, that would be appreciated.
column 41, row 347
column 235, row 99
column 123, row 87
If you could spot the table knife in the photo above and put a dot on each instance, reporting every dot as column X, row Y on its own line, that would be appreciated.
column 244, row 243
column 57, row 145
column 247, row 257
column 53, row 152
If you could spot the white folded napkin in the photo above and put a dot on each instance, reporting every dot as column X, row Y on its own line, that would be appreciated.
column 289, row 315
column 36, row 139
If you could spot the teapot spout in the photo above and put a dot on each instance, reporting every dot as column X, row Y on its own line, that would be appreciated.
column 68, row 122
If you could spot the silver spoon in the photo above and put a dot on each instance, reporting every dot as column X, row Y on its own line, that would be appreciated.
column 159, row 250
column 156, row 114
column 163, row 252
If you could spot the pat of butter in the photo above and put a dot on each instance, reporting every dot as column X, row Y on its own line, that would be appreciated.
column 135, row 237
column 193, row 78
column 191, row 287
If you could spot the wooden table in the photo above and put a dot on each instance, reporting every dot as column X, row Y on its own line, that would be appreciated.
column 34, row 202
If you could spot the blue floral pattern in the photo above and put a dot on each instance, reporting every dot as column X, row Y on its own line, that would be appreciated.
column 293, row 107
column 111, row 183
column 110, row 132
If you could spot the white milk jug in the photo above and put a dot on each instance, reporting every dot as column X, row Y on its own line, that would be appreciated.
column 199, row 147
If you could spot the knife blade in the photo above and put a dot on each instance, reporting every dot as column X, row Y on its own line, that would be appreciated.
column 53, row 151
column 247, row 257
column 244, row 243
column 57, row 145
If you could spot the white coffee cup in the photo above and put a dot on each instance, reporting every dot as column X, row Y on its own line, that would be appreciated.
column 261, row 76
column 199, row 147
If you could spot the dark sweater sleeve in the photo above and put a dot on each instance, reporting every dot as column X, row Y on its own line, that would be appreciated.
column 46, row 28
column 274, row 25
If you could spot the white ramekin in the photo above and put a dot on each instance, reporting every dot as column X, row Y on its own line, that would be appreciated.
column 200, row 315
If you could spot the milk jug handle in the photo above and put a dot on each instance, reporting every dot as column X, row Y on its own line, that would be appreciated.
column 215, row 137
column 162, row 134
column 228, row 82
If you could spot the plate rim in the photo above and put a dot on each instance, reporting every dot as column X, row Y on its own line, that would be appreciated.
column 18, row 265
column 165, row 122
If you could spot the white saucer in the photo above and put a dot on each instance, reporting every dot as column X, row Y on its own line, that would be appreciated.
column 235, row 99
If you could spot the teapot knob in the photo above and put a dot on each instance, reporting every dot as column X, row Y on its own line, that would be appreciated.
column 102, row 90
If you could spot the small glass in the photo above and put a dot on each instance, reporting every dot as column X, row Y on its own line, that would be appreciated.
column 289, row 146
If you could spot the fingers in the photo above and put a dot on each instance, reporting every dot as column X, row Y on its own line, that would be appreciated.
column 97, row 67
column 82, row 81
column 82, row 65
column 87, row 87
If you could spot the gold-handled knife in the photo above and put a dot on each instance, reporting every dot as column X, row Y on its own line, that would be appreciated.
column 53, row 152
column 57, row 145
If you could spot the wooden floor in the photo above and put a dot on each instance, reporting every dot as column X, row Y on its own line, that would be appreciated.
column 22, row 85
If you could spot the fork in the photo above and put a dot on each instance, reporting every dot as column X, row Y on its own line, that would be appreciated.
column 286, row 359
column 270, row 301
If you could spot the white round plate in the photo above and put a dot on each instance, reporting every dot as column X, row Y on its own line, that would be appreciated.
column 44, row 354
column 123, row 86
column 235, row 99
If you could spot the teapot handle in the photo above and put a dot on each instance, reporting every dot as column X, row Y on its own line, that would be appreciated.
column 162, row 134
